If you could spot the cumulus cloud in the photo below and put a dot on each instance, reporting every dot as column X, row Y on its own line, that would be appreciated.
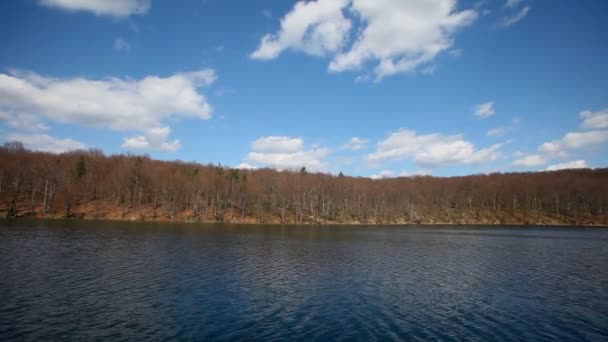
column 575, row 164
column 153, row 139
column 276, row 144
column 45, row 142
column 314, row 27
column 115, row 103
column 431, row 150
column 285, row 153
column 355, row 144
column 594, row 120
column 571, row 141
column 510, row 20
column 574, row 140
column 484, row 110
column 23, row 121
column 383, row 175
column 114, row 8
column 424, row 30
column 530, row 160
column 246, row 166
column 415, row 173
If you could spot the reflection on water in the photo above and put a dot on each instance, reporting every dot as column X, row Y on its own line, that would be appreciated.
column 71, row 280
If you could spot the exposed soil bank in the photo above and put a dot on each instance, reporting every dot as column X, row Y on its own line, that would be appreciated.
column 97, row 210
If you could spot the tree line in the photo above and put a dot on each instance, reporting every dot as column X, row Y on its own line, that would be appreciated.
column 89, row 184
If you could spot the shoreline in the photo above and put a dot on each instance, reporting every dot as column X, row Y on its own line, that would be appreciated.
column 309, row 225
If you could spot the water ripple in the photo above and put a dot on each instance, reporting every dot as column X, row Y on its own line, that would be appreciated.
column 126, row 281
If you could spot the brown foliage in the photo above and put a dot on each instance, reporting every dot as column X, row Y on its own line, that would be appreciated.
column 88, row 184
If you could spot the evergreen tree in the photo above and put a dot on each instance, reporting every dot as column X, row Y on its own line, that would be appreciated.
column 81, row 167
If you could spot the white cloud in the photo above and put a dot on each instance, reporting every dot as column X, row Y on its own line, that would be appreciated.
column 311, row 159
column 574, row 140
column 23, row 121
column 575, row 164
column 246, row 166
column 136, row 143
column 355, row 144
column 314, row 27
column 570, row 141
column 383, row 175
column 594, row 120
column 431, row 150
column 118, row 104
column 277, row 144
column 283, row 153
column 44, row 142
column 421, row 172
column 114, row 8
column 508, row 21
column 530, row 160
column 121, row 45
column 496, row 132
column 484, row 110
column 153, row 139
column 424, row 30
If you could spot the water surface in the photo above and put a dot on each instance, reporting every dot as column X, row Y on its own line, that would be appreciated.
column 74, row 280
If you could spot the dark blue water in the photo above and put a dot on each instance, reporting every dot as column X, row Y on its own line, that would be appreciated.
column 127, row 281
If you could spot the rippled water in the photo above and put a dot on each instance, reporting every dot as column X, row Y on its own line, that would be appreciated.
column 128, row 281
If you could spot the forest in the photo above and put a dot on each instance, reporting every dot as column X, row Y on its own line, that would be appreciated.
column 91, row 185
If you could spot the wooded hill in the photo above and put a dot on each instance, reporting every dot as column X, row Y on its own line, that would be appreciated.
column 88, row 184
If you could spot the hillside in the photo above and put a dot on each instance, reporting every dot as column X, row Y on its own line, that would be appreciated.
column 91, row 185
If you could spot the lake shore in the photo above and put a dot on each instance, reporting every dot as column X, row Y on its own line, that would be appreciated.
column 94, row 211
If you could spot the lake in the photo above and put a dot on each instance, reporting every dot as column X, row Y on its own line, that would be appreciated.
column 77, row 280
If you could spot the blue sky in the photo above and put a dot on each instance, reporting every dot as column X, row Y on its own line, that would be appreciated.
column 372, row 88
